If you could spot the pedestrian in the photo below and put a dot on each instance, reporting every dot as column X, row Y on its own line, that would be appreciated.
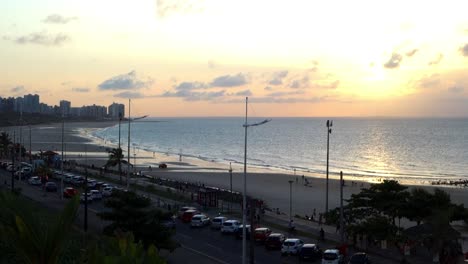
column 314, row 213
column 322, row 234
column 320, row 220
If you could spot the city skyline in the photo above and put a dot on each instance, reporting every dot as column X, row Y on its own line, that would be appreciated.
column 202, row 58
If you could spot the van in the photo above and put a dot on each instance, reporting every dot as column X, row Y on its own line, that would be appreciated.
column 187, row 216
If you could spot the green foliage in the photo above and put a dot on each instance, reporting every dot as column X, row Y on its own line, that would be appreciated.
column 122, row 249
column 34, row 238
column 133, row 213
column 115, row 157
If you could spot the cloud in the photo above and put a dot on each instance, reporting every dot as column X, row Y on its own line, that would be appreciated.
column 166, row 7
column 128, row 94
column 288, row 100
column 432, row 81
column 244, row 93
column 464, row 50
column 277, row 78
column 331, row 85
column 394, row 61
column 18, row 89
column 437, row 60
column 43, row 38
column 230, row 80
column 126, row 81
column 456, row 89
column 411, row 52
column 65, row 83
column 281, row 94
column 188, row 95
column 58, row 19
column 268, row 88
column 80, row 90
column 314, row 66
column 301, row 83
column 191, row 86
column 212, row 64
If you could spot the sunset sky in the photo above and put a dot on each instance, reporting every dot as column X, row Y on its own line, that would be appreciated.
column 203, row 57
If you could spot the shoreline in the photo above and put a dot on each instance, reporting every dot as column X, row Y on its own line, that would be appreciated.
column 269, row 185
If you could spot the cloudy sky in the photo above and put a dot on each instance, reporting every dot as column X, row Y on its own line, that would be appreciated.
column 203, row 57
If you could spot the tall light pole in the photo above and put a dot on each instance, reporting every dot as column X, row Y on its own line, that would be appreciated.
column 329, row 130
column 230, row 189
column 61, row 164
column 341, row 209
column 30, row 146
column 128, row 150
column 120, row 150
column 244, row 195
column 290, row 200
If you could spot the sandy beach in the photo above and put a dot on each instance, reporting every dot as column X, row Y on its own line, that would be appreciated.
column 269, row 185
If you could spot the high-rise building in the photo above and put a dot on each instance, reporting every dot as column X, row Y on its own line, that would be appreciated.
column 31, row 103
column 65, row 108
column 116, row 110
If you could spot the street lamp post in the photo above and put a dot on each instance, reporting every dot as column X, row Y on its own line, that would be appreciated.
column 61, row 163
column 120, row 151
column 230, row 182
column 290, row 200
column 329, row 130
column 244, row 195
column 341, row 209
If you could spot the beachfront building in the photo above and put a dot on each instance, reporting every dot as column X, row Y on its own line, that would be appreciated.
column 31, row 103
column 95, row 111
column 115, row 110
column 64, row 108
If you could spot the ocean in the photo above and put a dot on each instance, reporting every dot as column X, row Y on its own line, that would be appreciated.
column 411, row 149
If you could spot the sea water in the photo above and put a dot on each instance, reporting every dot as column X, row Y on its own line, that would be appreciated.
column 420, row 150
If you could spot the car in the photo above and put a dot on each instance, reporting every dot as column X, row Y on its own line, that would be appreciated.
column 91, row 183
column 217, row 222
column 104, row 185
column 88, row 195
column 35, row 180
column 10, row 168
column 230, row 226
column 261, row 233
column 332, row 256
column 68, row 177
column 77, row 180
column 69, row 192
column 274, row 241
column 97, row 195
column 169, row 223
column 359, row 258
column 291, row 246
column 187, row 216
column 107, row 191
column 183, row 209
column 50, row 187
column 240, row 230
column 310, row 252
column 199, row 220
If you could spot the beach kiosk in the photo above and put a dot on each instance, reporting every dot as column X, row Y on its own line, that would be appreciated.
column 207, row 197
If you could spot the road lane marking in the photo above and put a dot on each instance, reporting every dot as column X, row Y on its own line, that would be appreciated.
column 203, row 254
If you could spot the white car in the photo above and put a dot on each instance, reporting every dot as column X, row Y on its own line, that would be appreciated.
column 218, row 221
column 91, row 183
column 291, row 246
column 89, row 196
column 97, row 195
column 68, row 177
column 34, row 180
column 77, row 180
column 332, row 256
column 230, row 226
column 107, row 191
column 199, row 220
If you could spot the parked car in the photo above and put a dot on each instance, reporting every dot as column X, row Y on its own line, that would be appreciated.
column 310, row 252
column 261, row 233
column 187, row 216
column 51, row 187
column 230, row 226
column 104, row 185
column 359, row 258
column 89, row 197
column 169, row 223
column 97, row 195
column 69, row 192
column 68, row 177
column 35, row 180
column 332, row 256
column 107, row 191
column 291, row 246
column 77, row 180
column 217, row 222
column 239, row 232
column 200, row 220
column 274, row 241
column 183, row 209
column 91, row 183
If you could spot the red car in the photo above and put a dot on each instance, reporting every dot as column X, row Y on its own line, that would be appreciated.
column 261, row 234
column 187, row 216
column 69, row 192
column 274, row 241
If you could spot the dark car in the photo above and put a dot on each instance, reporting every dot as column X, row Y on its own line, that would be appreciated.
column 359, row 258
column 274, row 241
column 310, row 252
column 51, row 187
column 169, row 223
column 239, row 232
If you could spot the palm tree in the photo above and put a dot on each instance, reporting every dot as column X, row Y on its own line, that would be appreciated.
column 5, row 141
column 115, row 158
column 34, row 239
